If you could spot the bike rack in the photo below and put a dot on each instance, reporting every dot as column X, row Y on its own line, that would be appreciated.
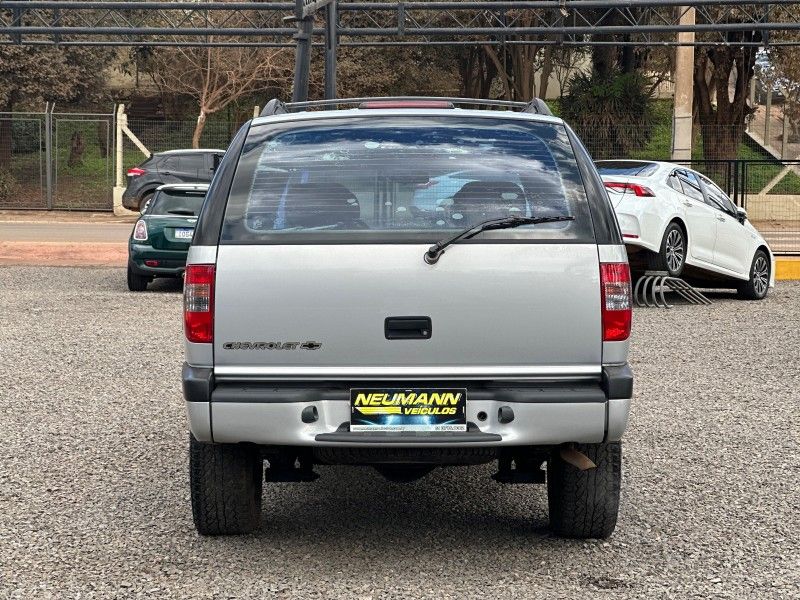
column 650, row 288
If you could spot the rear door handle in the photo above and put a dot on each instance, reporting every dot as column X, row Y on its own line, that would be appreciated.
column 721, row 219
column 687, row 204
column 407, row 328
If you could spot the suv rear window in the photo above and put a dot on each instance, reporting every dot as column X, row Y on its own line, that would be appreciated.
column 630, row 168
column 174, row 202
column 399, row 179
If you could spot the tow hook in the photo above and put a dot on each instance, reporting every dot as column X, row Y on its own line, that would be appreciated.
column 576, row 458
column 288, row 468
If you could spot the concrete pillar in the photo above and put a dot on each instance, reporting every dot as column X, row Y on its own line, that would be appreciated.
column 684, row 90
column 121, row 123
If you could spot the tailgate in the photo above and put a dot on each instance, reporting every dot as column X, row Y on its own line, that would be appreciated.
column 171, row 233
column 319, row 311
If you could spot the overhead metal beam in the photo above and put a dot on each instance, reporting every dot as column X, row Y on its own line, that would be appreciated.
column 568, row 22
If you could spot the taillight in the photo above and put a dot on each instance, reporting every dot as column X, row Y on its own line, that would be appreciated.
column 406, row 104
column 639, row 190
column 135, row 172
column 615, row 286
column 140, row 231
column 198, row 303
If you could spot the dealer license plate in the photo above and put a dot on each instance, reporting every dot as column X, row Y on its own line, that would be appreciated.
column 417, row 409
column 184, row 233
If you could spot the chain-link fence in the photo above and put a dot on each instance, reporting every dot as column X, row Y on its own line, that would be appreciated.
column 160, row 136
column 775, row 122
column 56, row 160
column 66, row 161
column 23, row 160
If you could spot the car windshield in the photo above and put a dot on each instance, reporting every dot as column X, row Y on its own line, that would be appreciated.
column 174, row 202
column 628, row 168
column 389, row 178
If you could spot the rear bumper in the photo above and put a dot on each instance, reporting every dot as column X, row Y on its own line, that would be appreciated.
column 640, row 224
column 172, row 263
column 131, row 197
column 543, row 414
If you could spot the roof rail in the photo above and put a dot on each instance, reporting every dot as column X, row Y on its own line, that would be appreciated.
column 276, row 107
column 538, row 106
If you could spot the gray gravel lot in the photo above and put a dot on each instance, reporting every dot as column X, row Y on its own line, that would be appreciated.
column 94, row 494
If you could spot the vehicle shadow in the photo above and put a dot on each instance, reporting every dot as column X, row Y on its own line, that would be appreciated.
column 450, row 508
column 166, row 285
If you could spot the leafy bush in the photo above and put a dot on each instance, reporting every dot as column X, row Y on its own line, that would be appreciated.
column 26, row 135
column 8, row 185
column 613, row 116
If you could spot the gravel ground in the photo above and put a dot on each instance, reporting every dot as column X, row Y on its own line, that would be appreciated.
column 94, row 493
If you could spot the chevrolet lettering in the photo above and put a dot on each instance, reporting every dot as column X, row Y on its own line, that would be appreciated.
column 271, row 346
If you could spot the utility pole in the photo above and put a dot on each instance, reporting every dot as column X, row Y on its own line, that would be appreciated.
column 684, row 90
column 302, row 57
column 331, row 47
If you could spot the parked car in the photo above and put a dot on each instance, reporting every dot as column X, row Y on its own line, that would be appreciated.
column 161, row 237
column 683, row 222
column 175, row 166
column 328, row 323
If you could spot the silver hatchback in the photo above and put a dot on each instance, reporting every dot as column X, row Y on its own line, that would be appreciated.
column 407, row 285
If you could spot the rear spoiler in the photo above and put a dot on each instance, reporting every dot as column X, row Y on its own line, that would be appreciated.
column 276, row 107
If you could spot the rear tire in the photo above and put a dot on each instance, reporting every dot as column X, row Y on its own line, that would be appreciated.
column 585, row 504
column 225, row 482
column 136, row 282
column 145, row 199
column 671, row 257
column 757, row 286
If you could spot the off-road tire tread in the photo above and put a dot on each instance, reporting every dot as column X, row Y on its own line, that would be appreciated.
column 226, row 482
column 585, row 504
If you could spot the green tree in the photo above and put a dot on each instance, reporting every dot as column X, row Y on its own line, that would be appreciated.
column 32, row 75
column 722, row 77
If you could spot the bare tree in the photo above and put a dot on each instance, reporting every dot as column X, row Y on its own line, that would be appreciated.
column 567, row 61
column 517, row 65
column 784, row 73
column 217, row 76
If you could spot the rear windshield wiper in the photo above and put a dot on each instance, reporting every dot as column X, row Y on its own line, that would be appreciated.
column 182, row 211
column 436, row 251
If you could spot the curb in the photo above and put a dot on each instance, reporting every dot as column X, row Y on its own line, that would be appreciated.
column 787, row 268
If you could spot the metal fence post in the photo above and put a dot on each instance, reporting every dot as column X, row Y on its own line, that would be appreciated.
column 48, row 153
column 331, row 47
column 302, row 62
column 768, row 114
column 785, row 137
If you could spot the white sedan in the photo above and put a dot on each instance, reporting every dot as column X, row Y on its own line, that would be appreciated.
column 680, row 220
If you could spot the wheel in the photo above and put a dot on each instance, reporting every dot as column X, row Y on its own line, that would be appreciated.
column 672, row 256
column 145, row 199
column 225, row 482
column 136, row 282
column 584, row 504
column 757, row 286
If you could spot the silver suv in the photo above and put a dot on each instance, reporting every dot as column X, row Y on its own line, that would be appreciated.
column 407, row 285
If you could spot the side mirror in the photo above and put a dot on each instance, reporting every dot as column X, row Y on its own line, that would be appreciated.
column 741, row 214
column 216, row 160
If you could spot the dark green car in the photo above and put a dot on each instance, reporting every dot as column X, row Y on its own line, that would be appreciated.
column 161, row 238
